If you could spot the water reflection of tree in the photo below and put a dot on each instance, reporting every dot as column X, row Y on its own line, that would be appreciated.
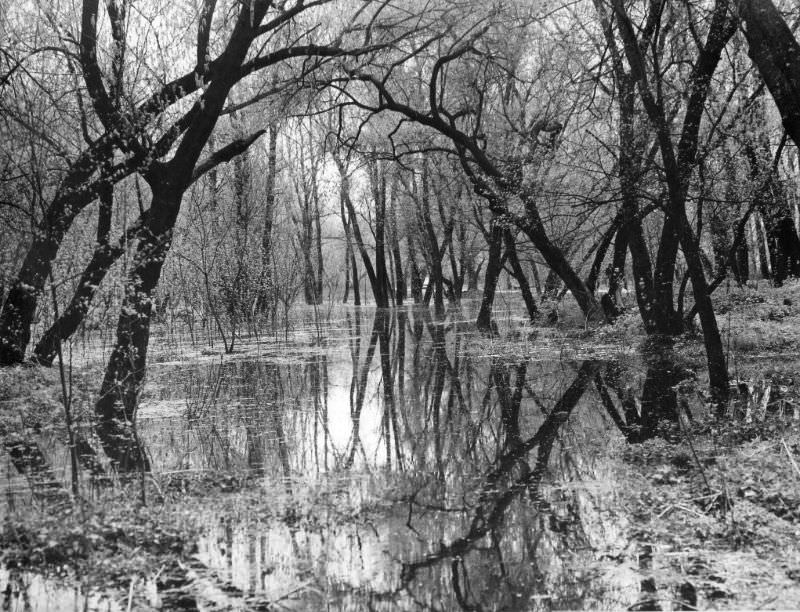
column 509, row 479
column 443, row 417
column 658, row 402
column 249, row 416
column 29, row 460
column 358, row 390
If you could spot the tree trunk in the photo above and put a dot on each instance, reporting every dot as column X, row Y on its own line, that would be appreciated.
column 350, row 263
column 399, row 277
column 416, row 275
column 72, row 196
column 124, row 376
column 617, row 272
column 601, row 251
column 103, row 257
column 378, row 181
column 519, row 274
column 665, row 317
column 493, row 269
column 267, row 288
column 555, row 258
column 320, row 268
column 351, row 211
column 435, row 273
column 678, row 162
column 775, row 51
column 356, row 279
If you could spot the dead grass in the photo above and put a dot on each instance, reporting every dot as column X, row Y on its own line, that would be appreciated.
column 738, row 544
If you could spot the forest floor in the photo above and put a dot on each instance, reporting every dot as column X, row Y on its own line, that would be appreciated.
column 716, row 506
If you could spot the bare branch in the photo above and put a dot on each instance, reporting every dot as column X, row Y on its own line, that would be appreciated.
column 226, row 153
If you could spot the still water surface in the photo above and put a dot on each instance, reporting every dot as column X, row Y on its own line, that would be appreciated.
column 408, row 464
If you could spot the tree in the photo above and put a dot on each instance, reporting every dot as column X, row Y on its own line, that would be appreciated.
column 169, row 160
column 679, row 162
column 134, row 131
column 449, row 83
column 775, row 51
column 306, row 159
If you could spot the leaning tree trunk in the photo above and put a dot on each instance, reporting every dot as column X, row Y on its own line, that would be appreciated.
column 350, row 263
column 775, row 51
column 357, row 237
column 75, row 192
column 20, row 305
column 116, row 406
column 554, row 257
column 519, row 274
column 103, row 258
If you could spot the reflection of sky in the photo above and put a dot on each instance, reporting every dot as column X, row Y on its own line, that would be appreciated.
column 193, row 419
column 340, row 423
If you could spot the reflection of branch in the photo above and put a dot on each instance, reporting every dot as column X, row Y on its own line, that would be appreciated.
column 493, row 502
column 608, row 404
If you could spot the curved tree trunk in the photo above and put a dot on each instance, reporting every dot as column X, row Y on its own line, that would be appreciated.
column 555, row 258
column 124, row 376
column 76, row 191
column 103, row 257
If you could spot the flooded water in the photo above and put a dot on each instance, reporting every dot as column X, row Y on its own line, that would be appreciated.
column 406, row 463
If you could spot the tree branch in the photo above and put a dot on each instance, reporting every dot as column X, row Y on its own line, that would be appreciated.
column 226, row 153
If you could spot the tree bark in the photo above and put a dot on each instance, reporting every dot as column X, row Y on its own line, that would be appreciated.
column 351, row 211
column 267, row 289
column 378, row 183
column 416, row 275
column 519, row 274
column 435, row 273
column 555, row 258
column 776, row 53
column 493, row 268
column 124, row 376
column 104, row 256
column 71, row 198
column 397, row 257
column 678, row 163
